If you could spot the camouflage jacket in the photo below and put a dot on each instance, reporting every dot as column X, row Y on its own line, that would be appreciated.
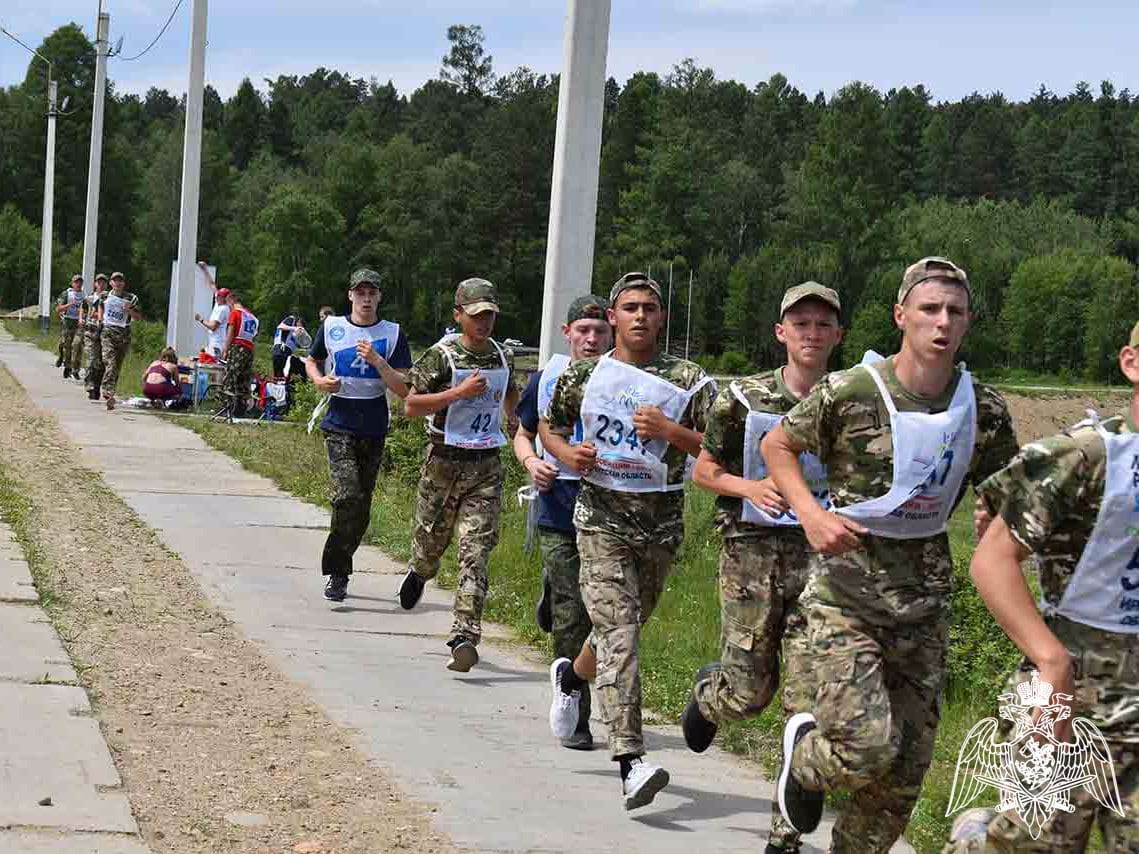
column 656, row 516
column 724, row 439
column 431, row 373
column 1050, row 496
column 845, row 422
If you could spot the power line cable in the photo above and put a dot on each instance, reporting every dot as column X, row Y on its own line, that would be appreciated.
column 161, row 32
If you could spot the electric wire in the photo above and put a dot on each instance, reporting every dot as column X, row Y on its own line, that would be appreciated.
column 161, row 32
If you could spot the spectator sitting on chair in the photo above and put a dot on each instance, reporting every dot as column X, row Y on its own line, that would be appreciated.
column 160, row 381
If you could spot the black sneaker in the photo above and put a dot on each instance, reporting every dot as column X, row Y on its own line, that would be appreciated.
column 543, row 612
column 772, row 848
column 802, row 808
column 337, row 588
column 67, row 373
column 699, row 732
column 582, row 738
column 59, row 362
column 410, row 590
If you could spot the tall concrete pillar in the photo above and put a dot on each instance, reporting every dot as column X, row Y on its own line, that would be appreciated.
column 49, row 210
column 577, row 165
column 95, row 161
column 180, row 333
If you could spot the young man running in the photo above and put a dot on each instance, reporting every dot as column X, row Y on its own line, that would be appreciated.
column 355, row 359
column 1070, row 501
column 89, row 319
column 119, row 308
column 763, row 560
column 641, row 412
column 68, row 307
column 463, row 386
column 588, row 334
column 899, row 440
column 238, row 353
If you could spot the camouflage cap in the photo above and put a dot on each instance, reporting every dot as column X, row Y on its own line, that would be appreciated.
column 1133, row 341
column 809, row 290
column 78, row 277
column 118, row 275
column 587, row 308
column 932, row 267
column 101, row 277
column 363, row 278
column 634, row 280
column 475, row 296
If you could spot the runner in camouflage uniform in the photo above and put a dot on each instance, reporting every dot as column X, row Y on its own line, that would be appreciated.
column 641, row 414
column 589, row 335
column 118, row 310
column 355, row 359
column 90, row 319
column 463, row 385
column 763, row 561
column 900, row 439
column 67, row 307
column 241, row 330
column 1050, row 503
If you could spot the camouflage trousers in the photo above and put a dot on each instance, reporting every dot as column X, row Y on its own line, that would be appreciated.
column 353, row 465
column 562, row 567
column 878, row 705
column 93, row 344
column 621, row 583
column 238, row 373
column 761, row 577
column 70, row 348
column 116, row 343
column 459, row 492
column 1107, row 694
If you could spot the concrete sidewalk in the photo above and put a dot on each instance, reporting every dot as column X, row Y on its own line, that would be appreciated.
column 475, row 747
column 59, row 791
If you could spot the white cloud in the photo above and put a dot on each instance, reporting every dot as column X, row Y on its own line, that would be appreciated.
column 762, row 7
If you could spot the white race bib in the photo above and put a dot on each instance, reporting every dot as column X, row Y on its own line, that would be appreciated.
column 358, row 379
column 475, row 423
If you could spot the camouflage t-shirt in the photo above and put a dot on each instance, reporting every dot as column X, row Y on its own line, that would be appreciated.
column 1050, row 496
column 656, row 516
column 92, row 302
column 845, row 422
column 724, row 439
column 431, row 374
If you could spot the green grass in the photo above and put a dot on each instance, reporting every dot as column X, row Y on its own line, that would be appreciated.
column 684, row 631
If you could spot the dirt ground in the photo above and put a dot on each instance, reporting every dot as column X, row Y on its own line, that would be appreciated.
column 218, row 752
column 1036, row 417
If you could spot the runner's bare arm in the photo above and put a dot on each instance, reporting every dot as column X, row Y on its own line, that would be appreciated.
column 428, row 403
column 315, row 371
column 392, row 378
column 542, row 473
column 998, row 578
column 580, row 458
column 828, row 533
column 710, row 474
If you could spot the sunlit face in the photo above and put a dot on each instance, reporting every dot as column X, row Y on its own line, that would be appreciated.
column 117, row 285
column 476, row 327
column 100, row 285
column 638, row 317
column 365, row 300
column 588, row 337
column 810, row 331
column 934, row 318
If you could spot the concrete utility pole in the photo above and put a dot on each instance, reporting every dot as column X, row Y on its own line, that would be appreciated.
column 95, row 162
column 49, row 207
column 180, row 334
column 577, row 164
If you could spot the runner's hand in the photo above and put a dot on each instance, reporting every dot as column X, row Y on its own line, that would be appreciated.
column 583, row 457
column 1062, row 675
column 832, row 534
column 329, row 385
column 367, row 352
column 474, row 385
column 650, row 423
column 981, row 518
column 541, row 472
column 764, row 495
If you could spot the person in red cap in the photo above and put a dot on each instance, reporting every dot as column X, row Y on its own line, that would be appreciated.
column 218, row 319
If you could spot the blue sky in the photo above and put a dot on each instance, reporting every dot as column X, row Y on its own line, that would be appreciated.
column 954, row 48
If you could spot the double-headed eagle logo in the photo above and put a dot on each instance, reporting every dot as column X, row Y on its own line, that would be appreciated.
column 1034, row 772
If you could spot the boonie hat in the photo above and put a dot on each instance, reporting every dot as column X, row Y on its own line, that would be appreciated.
column 634, row 280
column 932, row 267
column 588, row 307
column 809, row 290
column 474, row 296
column 364, row 278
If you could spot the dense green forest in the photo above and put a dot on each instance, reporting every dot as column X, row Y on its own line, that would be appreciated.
column 749, row 189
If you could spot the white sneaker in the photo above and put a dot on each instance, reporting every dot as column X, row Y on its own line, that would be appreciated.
column 642, row 784
column 563, row 706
